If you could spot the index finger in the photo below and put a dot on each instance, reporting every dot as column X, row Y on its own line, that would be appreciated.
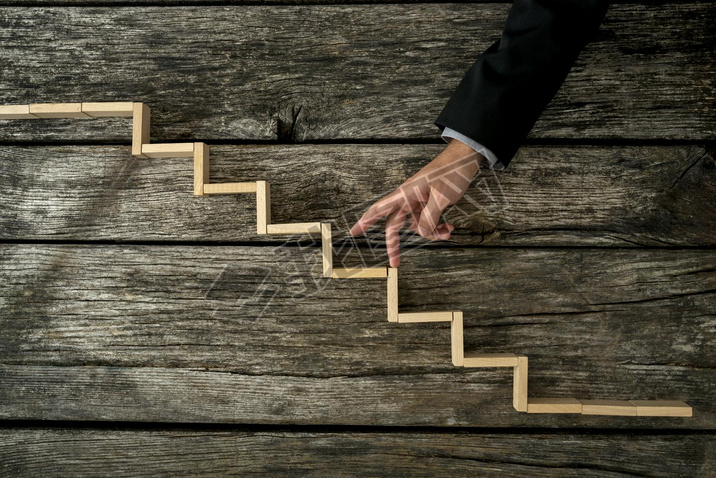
column 379, row 209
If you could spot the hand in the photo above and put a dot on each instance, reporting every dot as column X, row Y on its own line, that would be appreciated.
column 423, row 198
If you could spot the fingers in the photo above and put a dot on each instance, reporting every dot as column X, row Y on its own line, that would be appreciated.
column 413, row 223
column 378, row 210
column 393, row 225
column 370, row 217
column 428, row 223
column 443, row 231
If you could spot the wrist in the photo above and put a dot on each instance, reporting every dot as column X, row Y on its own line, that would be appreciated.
column 457, row 146
column 457, row 151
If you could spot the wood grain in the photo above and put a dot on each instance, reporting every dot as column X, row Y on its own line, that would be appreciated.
column 206, row 452
column 250, row 334
column 552, row 195
column 100, row 3
column 322, row 72
column 194, row 333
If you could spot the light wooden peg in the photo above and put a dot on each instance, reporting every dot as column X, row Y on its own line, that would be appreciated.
column 327, row 249
column 294, row 228
column 608, row 407
column 168, row 150
column 16, row 112
column 57, row 110
column 201, row 167
column 105, row 109
column 263, row 206
column 392, row 297
column 229, row 188
column 662, row 408
column 519, row 384
column 491, row 360
column 359, row 273
column 413, row 317
column 456, row 336
column 140, row 128
column 554, row 405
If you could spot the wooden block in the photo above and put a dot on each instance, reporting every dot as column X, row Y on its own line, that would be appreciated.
column 168, row 150
column 458, row 347
column 294, row 228
column 392, row 294
column 662, row 408
column 229, row 188
column 327, row 249
column 360, row 273
column 140, row 128
column 16, row 112
column 519, row 384
column 608, row 407
column 263, row 206
column 491, row 360
column 554, row 405
column 201, row 167
column 411, row 317
column 57, row 110
column 119, row 108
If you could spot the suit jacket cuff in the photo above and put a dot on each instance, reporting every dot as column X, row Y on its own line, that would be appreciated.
column 491, row 158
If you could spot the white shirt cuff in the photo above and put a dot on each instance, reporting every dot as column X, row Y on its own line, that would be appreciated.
column 491, row 158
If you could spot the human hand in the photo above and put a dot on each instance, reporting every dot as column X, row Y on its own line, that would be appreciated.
column 423, row 198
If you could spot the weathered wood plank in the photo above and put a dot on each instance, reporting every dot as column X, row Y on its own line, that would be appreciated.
column 324, row 72
column 100, row 3
column 413, row 399
column 242, row 334
column 556, row 195
column 200, row 452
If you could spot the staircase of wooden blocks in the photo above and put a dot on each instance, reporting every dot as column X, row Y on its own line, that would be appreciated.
column 141, row 146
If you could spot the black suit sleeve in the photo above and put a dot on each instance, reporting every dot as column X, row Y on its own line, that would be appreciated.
column 504, row 92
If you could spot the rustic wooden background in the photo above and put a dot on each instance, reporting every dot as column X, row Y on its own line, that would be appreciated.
column 134, row 334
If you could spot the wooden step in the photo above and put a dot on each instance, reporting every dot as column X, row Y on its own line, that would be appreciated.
column 359, row 273
column 554, row 405
column 16, row 112
column 491, row 360
column 662, row 408
column 608, row 407
column 438, row 316
column 109, row 109
column 229, row 188
column 168, row 150
column 57, row 110
column 294, row 228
